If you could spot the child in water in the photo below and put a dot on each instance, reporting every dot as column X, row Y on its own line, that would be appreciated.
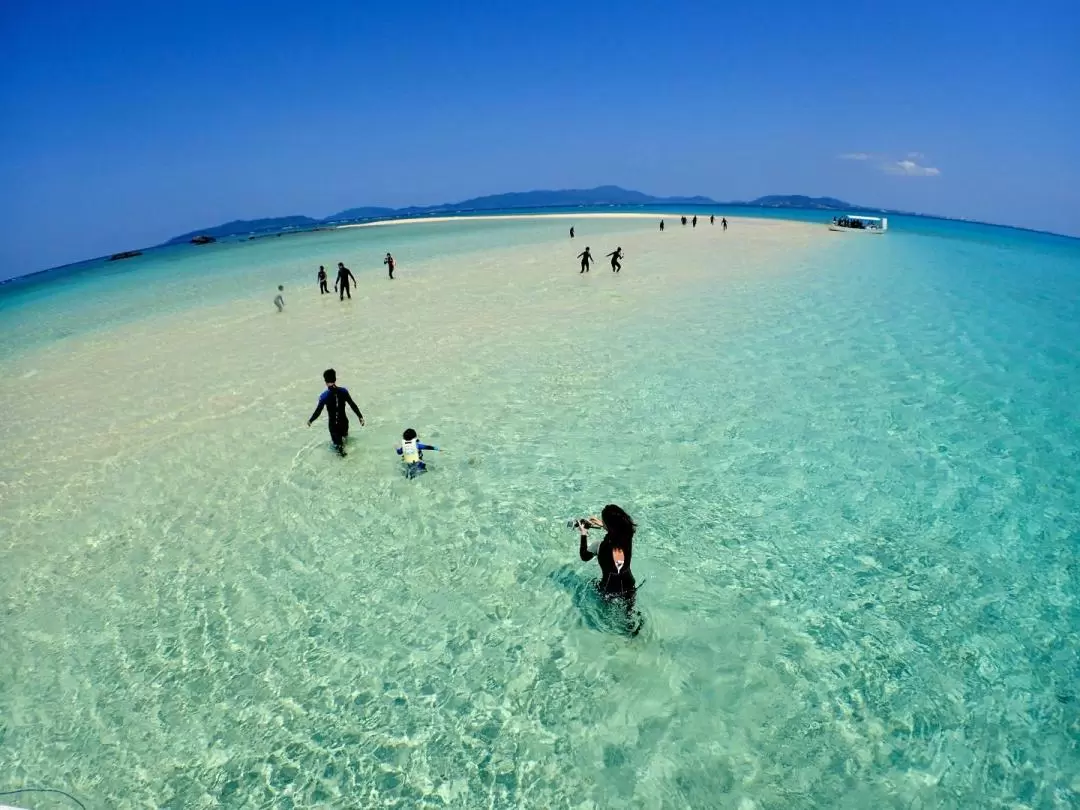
column 412, row 453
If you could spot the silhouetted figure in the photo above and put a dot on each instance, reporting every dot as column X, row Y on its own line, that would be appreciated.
column 723, row 222
column 695, row 220
column 684, row 220
column 585, row 257
column 389, row 262
column 571, row 231
column 279, row 300
column 615, row 256
column 712, row 219
column 322, row 280
column 342, row 281
column 661, row 226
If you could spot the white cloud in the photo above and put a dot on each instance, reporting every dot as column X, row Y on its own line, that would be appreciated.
column 910, row 168
column 855, row 156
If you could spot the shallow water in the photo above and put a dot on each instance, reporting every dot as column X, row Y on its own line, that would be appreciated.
column 853, row 462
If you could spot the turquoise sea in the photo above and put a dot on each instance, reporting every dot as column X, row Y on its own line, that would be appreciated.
column 854, row 462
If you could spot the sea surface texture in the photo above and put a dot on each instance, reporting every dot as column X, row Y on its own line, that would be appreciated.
column 854, row 462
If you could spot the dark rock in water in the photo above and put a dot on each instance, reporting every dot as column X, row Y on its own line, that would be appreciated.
column 127, row 254
column 202, row 240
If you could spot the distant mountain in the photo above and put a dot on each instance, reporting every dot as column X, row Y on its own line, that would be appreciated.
column 566, row 198
column 799, row 201
column 245, row 226
column 368, row 212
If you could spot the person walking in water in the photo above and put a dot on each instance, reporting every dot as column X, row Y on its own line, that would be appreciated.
column 571, row 231
column 334, row 399
column 586, row 258
column 615, row 257
column 661, row 226
column 322, row 280
column 341, row 284
column 389, row 262
column 712, row 219
column 723, row 223
column 279, row 300
column 684, row 220
column 695, row 221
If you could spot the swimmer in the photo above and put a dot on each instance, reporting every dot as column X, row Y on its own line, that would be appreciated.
column 334, row 399
column 661, row 226
column 585, row 257
column 613, row 553
column 695, row 220
column 723, row 223
column 389, row 262
column 615, row 260
column 342, row 281
column 322, row 280
column 712, row 219
column 412, row 453
column 279, row 301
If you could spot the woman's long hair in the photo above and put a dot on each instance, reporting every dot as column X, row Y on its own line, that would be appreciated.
column 620, row 527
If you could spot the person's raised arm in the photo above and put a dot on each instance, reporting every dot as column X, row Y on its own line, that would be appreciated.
column 583, row 551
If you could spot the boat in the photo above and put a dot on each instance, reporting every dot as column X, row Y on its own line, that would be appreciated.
column 857, row 223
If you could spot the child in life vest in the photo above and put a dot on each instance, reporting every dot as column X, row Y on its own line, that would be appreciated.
column 412, row 453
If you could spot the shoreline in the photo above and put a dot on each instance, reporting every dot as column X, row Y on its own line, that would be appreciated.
column 554, row 215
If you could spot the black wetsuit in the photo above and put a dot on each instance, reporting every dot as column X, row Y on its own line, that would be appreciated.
column 334, row 400
column 585, row 257
column 615, row 265
column 695, row 221
column 661, row 224
column 342, row 283
column 613, row 581
column 322, row 282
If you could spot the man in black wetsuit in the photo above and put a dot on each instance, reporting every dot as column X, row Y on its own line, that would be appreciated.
column 322, row 280
column 585, row 257
column 342, row 281
column 334, row 399
column 616, row 257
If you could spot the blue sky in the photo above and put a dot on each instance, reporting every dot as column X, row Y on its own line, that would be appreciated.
column 123, row 124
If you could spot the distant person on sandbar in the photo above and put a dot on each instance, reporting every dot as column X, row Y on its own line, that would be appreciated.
column 571, row 231
column 322, row 280
column 695, row 221
column 279, row 300
column 586, row 258
column 712, row 219
column 615, row 257
column 342, row 281
column 723, row 222
column 389, row 262
column 334, row 399
column 684, row 220
column 661, row 226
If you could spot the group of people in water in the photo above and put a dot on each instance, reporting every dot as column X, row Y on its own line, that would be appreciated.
column 613, row 553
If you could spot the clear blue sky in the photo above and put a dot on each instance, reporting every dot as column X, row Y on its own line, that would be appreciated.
column 123, row 124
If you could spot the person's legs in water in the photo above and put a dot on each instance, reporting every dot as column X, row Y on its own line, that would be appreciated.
column 344, row 291
column 338, row 434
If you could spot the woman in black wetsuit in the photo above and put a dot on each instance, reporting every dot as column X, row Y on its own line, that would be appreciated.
column 614, row 552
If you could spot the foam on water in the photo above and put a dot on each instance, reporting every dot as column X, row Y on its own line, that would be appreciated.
column 853, row 463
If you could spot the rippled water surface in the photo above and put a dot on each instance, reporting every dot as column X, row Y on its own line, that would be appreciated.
column 854, row 462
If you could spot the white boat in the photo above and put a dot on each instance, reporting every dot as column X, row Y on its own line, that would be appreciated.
column 857, row 223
